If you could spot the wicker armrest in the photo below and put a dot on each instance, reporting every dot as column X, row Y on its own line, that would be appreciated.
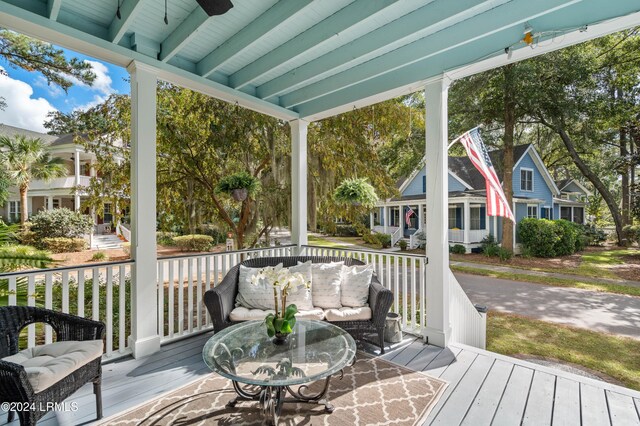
column 380, row 300
column 71, row 327
column 14, row 383
column 221, row 299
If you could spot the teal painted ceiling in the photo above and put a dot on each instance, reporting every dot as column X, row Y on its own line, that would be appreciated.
column 309, row 56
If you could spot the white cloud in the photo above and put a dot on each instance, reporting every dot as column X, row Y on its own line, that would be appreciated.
column 22, row 110
column 102, row 82
column 97, row 99
column 53, row 89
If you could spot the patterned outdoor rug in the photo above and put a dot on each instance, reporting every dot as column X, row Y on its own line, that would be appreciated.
column 372, row 392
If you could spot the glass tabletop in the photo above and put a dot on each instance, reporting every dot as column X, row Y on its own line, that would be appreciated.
column 244, row 353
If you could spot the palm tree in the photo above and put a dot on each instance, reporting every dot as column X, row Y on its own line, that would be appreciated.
column 26, row 159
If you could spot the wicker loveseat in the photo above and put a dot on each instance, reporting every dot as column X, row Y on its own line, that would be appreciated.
column 220, row 300
column 48, row 374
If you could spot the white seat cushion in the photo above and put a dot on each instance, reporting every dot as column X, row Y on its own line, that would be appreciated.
column 311, row 314
column 354, row 288
column 325, row 284
column 362, row 313
column 244, row 314
column 46, row 365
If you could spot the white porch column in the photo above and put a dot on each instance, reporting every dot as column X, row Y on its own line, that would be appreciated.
column 420, row 216
column 467, row 221
column 76, row 200
column 144, row 339
column 50, row 202
column 438, row 328
column 299, row 182
column 371, row 220
column 385, row 218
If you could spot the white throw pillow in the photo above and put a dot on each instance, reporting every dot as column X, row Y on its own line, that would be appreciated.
column 253, row 296
column 325, row 284
column 302, row 299
column 354, row 289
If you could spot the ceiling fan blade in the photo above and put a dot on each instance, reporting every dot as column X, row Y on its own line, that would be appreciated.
column 215, row 7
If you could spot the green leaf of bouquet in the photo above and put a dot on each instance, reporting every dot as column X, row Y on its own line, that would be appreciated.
column 290, row 312
column 271, row 331
column 286, row 327
column 277, row 323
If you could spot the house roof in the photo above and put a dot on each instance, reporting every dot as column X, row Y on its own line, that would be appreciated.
column 313, row 59
column 10, row 131
column 562, row 184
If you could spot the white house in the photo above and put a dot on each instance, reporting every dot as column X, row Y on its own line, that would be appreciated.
column 58, row 192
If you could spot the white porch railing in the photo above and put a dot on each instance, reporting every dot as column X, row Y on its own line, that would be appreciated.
column 468, row 324
column 183, row 280
column 396, row 236
column 124, row 231
column 475, row 235
column 403, row 274
column 100, row 291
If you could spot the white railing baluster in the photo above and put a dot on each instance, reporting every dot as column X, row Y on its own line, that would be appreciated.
column 109, row 310
column 190, row 294
column 171, row 306
column 65, row 292
column 48, row 303
column 81, row 293
column 405, row 290
column 180, row 297
column 396, row 284
column 161, row 297
column 207, row 286
column 95, row 294
column 198, row 292
column 414, row 290
column 31, row 301
column 122, row 294
column 423, row 301
column 13, row 291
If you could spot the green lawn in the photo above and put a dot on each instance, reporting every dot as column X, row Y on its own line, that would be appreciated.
column 558, row 282
column 613, row 356
column 319, row 241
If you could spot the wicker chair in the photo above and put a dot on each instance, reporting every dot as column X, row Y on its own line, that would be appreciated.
column 14, row 382
column 220, row 300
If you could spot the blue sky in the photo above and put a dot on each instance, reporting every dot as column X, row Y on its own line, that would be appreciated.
column 29, row 98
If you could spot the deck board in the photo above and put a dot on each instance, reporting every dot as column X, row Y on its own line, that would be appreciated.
column 566, row 406
column 461, row 399
column 514, row 399
column 539, row 409
column 593, row 406
column 622, row 410
column 484, row 388
column 486, row 402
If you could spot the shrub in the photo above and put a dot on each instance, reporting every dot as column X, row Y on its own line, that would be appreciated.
column 594, row 236
column 60, row 223
column 403, row 245
column 504, row 254
column 99, row 256
column 346, row 231
column 568, row 238
column 63, row 245
column 126, row 247
column 193, row 242
column 540, row 236
column 370, row 238
column 165, row 238
column 458, row 249
column 384, row 240
column 633, row 233
column 489, row 246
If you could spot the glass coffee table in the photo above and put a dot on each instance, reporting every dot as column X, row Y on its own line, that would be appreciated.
column 264, row 371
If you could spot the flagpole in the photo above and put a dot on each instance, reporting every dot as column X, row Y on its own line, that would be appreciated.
column 460, row 137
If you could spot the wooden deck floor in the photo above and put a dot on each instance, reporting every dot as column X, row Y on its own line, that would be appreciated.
column 484, row 387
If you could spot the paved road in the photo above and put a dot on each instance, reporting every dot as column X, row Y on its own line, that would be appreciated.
column 604, row 312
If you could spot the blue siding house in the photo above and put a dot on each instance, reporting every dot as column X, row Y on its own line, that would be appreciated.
column 535, row 194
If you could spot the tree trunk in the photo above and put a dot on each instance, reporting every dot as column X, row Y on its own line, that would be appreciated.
column 597, row 183
column 507, row 158
column 312, row 205
column 24, row 212
column 624, row 177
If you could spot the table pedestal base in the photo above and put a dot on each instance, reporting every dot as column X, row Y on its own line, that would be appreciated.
column 271, row 398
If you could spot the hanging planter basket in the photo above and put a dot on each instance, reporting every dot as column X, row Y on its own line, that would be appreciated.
column 239, row 186
column 356, row 192
column 239, row 194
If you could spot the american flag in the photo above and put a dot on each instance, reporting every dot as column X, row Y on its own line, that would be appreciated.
column 407, row 216
column 497, row 204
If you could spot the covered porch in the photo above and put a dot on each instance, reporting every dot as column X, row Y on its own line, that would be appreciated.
column 323, row 58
